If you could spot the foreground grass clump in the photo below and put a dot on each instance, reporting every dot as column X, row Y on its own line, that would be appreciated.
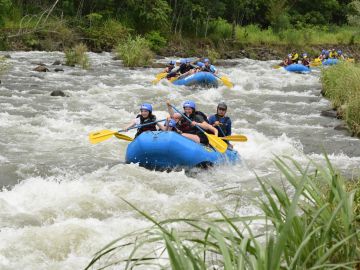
column 135, row 52
column 310, row 222
column 77, row 55
column 341, row 84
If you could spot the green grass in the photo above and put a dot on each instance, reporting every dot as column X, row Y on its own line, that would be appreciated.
column 310, row 222
column 77, row 56
column 341, row 85
column 135, row 52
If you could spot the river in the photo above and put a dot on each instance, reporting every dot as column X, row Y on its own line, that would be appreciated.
column 61, row 198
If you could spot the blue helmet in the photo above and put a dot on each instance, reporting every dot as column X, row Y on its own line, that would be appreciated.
column 146, row 106
column 200, row 64
column 323, row 51
column 187, row 60
column 190, row 104
column 172, row 62
column 339, row 52
column 172, row 123
column 327, row 52
column 206, row 60
column 289, row 55
column 182, row 61
column 304, row 54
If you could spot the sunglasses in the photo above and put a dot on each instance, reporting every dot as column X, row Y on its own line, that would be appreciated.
column 222, row 109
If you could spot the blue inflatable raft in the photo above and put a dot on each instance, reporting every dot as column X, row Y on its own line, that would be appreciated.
column 163, row 150
column 330, row 61
column 201, row 78
column 298, row 68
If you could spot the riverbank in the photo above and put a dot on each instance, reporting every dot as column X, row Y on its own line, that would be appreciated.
column 341, row 85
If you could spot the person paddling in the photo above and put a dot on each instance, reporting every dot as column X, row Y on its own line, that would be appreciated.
column 208, row 67
column 170, row 66
column 305, row 60
column 144, row 117
column 198, row 118
column 221, row 122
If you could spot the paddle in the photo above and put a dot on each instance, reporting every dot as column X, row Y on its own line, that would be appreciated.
column 214, row 141
column 103, row 135
column 235, row 138
column 159, row 77
column 226, row 81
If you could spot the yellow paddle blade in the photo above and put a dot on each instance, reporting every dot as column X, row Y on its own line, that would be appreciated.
column 159, row 77
column 276, row 66
column 102, row 135
column 216, row 142
column 235, row 138
column 173, row 79
column 226, row 81
column 123, row 137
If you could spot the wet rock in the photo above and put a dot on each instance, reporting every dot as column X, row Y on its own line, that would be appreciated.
column 116, row 58
column 38, row 63
column 58, row 70
column 329, row 113
column 225, row 63
column 7, row 56
column 159, row 57
column 41, row 69
column 157, row 65
column 56, row 63
column 58, row 93
column 342, row 126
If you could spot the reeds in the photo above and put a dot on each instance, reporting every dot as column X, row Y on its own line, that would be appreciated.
column 135, row 52
column 309, row 222
column 77, row 56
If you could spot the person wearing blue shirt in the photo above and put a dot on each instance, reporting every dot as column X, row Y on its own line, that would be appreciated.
column 208, row 67
column 221, row 122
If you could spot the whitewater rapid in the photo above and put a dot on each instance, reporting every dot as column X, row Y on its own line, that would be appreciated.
column 62, row 198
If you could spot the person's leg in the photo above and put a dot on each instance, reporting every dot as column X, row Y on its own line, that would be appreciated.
column 193, row 137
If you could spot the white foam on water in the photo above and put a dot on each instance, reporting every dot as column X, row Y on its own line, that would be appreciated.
column 65, row 198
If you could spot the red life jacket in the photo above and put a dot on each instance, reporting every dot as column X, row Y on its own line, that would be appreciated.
column 185, row 126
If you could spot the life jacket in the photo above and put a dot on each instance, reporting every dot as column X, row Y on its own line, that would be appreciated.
column 222, row 127
column 185, row 126
column 151, row 127
column 294, row 58
column 185, row 68
column 207, row 69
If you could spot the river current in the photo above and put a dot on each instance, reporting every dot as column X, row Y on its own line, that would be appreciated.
column 61, row 198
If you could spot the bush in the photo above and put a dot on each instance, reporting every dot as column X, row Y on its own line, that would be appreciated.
column 77, row 55
column 156, row 41
column 105, row 35
column 219, row 29
column 135, row 52
column 341, row 84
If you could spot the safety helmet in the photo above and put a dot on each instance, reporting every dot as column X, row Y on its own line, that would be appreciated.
column 200, row 64
column 304, row 55
column 327, row 52
column 289, row 55
column 172, row 123
column 172, row 62
column 222, row 105
column 339, row 52
column 187, row 60
column 146, row 106
column 206, row 60
column 182, row 61
column 190, row 104
column 323, row 51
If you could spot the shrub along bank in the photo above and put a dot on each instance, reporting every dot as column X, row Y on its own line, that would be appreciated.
column 341, row 85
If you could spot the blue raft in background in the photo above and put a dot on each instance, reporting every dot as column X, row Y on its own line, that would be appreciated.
column 330, row 61
column 297, row 68
column 163, row 150
column 200, row 78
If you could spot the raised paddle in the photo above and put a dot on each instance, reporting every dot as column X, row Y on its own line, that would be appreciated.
column 235, row 138
column 214, row 141
column 159, row 77
column 103, row 135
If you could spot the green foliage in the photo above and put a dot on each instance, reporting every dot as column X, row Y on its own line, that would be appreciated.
column 3, row 65
column 353, row 16
column 77, row 55
column 156, row 40
column 341, row 84
column 219, row 29
column 135, row 52
column 105, row 35
column 212, row 54
column 310, row 222
column 4, row 9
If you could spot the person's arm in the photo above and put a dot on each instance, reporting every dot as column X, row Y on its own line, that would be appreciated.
column 132, row 124
column 170, row 109
column 206, row 126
